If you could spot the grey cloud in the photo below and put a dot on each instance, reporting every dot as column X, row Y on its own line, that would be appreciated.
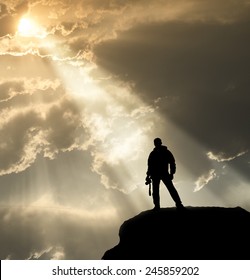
column 28, row 134
column 64, row 120
column 103, row 17
column 87, row 23
column 55, row 209
column 198, row 73
column 3, row 10
column 31, row 123
column 13, row 68
column 8, row 89
column 23, row 237
column 66, row 28
column 16, row 142
column 230, row 185
column 187, row 65
column 20, row 92
column 50, row 120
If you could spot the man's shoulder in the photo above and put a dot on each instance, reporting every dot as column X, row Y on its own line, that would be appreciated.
column 167, row 152
column 160, row 150
column 164, row 149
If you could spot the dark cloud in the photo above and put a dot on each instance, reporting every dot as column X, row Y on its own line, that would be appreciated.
column 8, row 89
column 78, row 218
column 64, row 119
column 58, row 235
column 197, row 74
column 3, row 10
column 16, row 136
column 36, row 118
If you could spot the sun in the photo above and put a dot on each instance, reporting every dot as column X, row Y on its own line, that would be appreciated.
column 28, row 28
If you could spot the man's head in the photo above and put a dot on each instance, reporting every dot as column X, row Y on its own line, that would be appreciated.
column 157, row 142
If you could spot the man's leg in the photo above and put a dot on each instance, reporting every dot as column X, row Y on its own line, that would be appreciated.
column 172, row 190
column 156, row 192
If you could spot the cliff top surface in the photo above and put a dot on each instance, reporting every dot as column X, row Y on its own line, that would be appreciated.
column 195, row 233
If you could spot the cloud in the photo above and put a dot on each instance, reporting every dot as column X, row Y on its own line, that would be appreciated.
column 118, row 127
column 43, row 117
column 9, row 89
column 80, row 107
column 50, row 253
column 10, row 13
column 189, row 67
column 16, row 87
column 181, row 35
column 46, row 121
column 83, row 24
column 61, row 233
column 221, row 158
column 204, row 180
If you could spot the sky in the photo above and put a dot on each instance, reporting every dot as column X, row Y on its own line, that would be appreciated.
column 85, row 87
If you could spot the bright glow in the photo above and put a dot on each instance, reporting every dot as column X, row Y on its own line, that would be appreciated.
column 222, row 158
column 28, row 28
column 204, row 180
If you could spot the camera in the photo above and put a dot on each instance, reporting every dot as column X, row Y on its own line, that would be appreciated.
column 148, row 181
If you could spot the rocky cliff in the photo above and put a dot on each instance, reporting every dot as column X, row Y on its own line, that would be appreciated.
column 199, row 233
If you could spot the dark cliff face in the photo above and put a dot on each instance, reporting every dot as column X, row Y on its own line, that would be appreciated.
column 198, row 233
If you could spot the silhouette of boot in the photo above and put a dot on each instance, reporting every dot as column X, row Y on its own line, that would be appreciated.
column 157, row 208
column 180, row 206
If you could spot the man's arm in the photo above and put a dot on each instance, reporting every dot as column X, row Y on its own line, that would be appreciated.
column 172, row 164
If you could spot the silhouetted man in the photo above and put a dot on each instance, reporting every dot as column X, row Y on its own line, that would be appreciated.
column 161, row 166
